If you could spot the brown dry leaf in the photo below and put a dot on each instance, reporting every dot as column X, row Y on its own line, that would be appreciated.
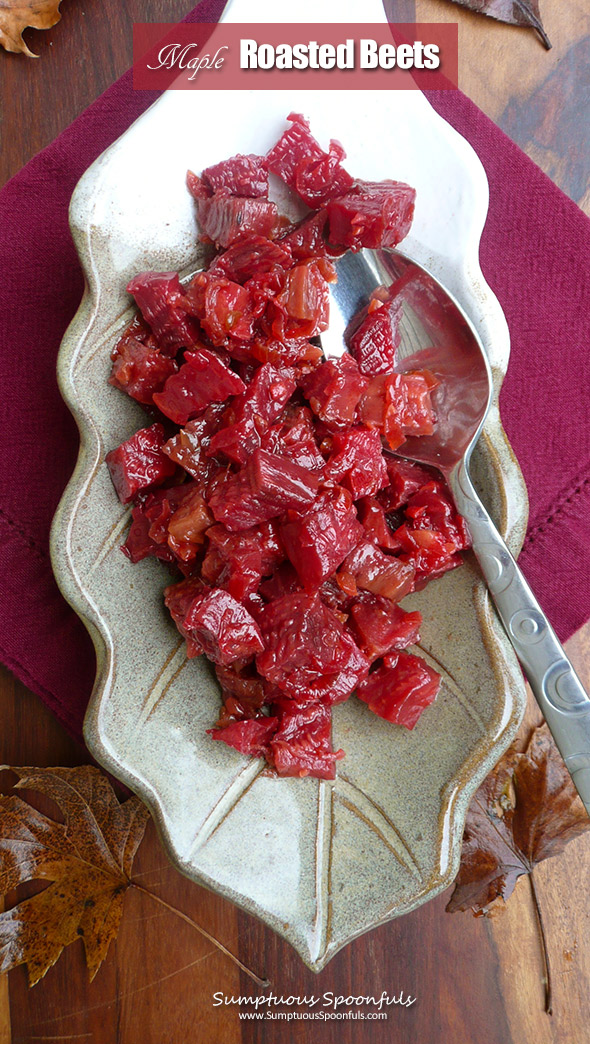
column 87, row 858
column 515, row 12
column 525, row 811
column 15, row 16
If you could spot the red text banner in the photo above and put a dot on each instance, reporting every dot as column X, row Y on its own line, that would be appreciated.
column 295, row 56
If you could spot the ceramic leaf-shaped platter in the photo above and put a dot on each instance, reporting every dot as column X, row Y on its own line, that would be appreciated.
column 320, row 862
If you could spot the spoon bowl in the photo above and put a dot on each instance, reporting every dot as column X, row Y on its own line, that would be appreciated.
column 437, row 335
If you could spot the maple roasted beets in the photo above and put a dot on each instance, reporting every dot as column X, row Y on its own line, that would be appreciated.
column 262, row 480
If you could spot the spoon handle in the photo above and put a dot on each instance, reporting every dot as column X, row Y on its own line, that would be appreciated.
column 557, row 688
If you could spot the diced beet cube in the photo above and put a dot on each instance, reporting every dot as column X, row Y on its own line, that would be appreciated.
column 426, row 548
column 251, row 256
column 148, row 535
column 334, row 389
column 213, row 568
column 196, row 186
column 293, row 352
column 223, row 217
column 160, row 504
column 235, row 442
column 295, row 439
column 234, row 502
column 140, row 370
column 319, row 181
column 347, row 584
column 303, row 165
column 280, row 484
column 379, row 573
column 248, row 737
column 243, row 694
column 284, row 581
column 432, row 508
column 139, row 544
column 435, row 531
column 178, row 598
column 264, row 287
column 255, row 604
column 295, row 144
column 266, row 487
column 375, row 342
column 222, row 627
column 379, row 626
column 202, row 379
column 207, row 475
column 399, row 405
column 372, row 214
column 187, row 447
column 258, row 406
column 139, row 463
column 223, row 308
column 271, row 545
column 356, row 462
column 333, row 594
column 424, row 577
column 186, row 528
column 137, row 330
column 401, row 689
column 238, row 561
column 306, row 239
column 376, row 399
column 302, row 307
column 308, row 653
column 374, row 522
column 319, row 540
column 240, row 175
column 405, row 478
column 159, row 298
column 302, row 745
column 419, row 417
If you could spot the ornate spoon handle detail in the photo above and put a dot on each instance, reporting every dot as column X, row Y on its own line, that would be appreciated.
column 557, row 688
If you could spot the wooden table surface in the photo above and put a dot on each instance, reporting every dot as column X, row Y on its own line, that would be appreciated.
column 475, row 979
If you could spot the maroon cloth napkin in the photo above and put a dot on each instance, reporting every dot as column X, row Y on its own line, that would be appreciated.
column 535, row 254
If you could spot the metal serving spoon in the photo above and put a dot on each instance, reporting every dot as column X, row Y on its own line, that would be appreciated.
column 437, row 335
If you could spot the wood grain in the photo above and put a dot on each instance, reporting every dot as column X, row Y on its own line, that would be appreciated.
column 156, row 958
column 539, row 98
column 78, row 59
column 474, row 979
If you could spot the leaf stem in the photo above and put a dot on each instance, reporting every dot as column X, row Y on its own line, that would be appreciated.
column 259, row 982
column 544, row 948
column 535, row 22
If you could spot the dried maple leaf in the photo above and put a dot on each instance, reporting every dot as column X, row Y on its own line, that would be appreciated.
column 15, row 16
column 87, row 858
column 515, row 12
column 525, row 811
